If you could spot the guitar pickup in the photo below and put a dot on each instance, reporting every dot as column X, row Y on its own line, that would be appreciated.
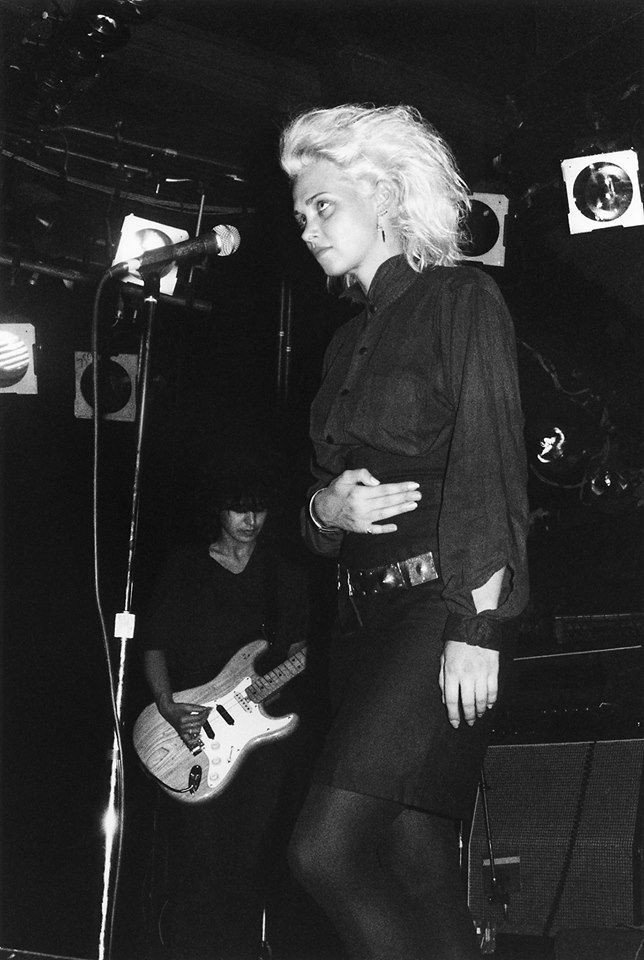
column 225, row 715
column 207, row 729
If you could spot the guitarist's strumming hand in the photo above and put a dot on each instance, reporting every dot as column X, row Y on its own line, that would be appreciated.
column 187, row 719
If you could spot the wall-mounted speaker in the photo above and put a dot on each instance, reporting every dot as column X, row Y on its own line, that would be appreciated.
column 486, row 227
column 566, row 837
column 117, row 378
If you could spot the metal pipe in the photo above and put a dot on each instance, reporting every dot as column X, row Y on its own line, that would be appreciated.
column 89, row 278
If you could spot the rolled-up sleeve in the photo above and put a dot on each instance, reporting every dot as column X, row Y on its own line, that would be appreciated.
column 484, row 514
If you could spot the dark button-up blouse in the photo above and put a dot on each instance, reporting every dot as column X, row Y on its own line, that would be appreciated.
column 423, row 386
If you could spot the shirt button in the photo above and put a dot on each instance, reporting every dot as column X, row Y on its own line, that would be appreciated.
column 371, row 310
column 344, row 392
column 329, row 438
column 362, row 350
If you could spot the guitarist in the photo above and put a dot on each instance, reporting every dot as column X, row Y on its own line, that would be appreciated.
column 211, row 599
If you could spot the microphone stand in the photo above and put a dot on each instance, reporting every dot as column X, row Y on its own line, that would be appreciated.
column 124, row 621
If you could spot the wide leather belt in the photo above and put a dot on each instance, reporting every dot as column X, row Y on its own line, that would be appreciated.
column 393, row 576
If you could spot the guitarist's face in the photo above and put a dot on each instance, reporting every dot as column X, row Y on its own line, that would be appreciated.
column 243, row 527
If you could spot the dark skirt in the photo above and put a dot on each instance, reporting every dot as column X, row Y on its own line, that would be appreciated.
column 390, row 736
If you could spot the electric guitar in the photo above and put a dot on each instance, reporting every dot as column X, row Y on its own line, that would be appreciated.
column 237, row 722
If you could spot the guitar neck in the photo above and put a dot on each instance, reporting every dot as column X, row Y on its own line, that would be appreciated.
column 264, row 687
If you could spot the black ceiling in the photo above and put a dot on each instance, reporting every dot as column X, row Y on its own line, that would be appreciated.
column 204, row 74
column 514, row 86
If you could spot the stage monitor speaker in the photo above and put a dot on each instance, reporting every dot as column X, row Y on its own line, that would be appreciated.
column 565, row 823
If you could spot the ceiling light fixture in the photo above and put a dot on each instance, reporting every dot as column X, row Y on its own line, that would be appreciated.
column 17, row 350
column 603, row 191
column 139, row 235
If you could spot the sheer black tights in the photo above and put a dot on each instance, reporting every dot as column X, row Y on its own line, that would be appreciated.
column 386, row 875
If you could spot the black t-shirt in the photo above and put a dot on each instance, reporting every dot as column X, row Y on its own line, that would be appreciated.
column 201, row 614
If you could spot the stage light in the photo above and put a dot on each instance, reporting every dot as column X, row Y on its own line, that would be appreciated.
column 17, row 349
column 116, row 386
column 603, row 191
column 486, row 227
column 552, row 446
column 139, row 235
column 99, row 28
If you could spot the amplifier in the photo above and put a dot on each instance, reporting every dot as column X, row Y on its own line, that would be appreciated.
column 576, row 689
column 600, row 631
column 566, row 836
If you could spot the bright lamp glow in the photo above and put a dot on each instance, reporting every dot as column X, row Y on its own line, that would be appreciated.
column 139, row 235
column 603, row 191
column 486, row 226
column 17, row 344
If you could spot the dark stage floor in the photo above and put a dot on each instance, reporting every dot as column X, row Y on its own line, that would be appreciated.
column 507, row 948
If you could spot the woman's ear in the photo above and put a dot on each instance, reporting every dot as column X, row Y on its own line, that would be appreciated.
column 386, row 196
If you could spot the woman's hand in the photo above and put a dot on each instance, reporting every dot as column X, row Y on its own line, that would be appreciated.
column 187, row 719
column 468, row 680
column 355, row 500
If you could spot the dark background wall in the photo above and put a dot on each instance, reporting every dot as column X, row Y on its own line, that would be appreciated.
column 515, row 88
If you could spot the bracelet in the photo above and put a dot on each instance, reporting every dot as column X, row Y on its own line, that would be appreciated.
column 316, row 522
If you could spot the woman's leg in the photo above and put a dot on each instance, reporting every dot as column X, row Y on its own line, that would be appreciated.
column 377, row 869
column 423, row 853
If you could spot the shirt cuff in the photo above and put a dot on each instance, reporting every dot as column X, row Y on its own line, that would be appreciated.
column 480, row 631
column 313, row 518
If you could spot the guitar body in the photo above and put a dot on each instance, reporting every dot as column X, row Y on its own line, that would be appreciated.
column 235, row 725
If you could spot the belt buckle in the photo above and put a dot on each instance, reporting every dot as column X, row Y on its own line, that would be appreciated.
column 391, row 576
column 421, row 569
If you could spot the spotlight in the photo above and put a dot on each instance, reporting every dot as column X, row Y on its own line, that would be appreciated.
column 603, row 191
column 486, row 227
column 553, row 446
column 608, row 482
column 116, row 386
column 139, row 235
column 99, row 28
column 17, row 349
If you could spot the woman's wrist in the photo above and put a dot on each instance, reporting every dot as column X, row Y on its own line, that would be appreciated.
column 316, row 519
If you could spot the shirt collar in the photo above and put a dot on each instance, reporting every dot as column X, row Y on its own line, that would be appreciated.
column 390, row 280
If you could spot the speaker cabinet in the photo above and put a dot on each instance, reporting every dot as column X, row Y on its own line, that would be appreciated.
column 566, row 831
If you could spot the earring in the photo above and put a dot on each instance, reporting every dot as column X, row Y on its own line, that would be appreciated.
column 381, row 227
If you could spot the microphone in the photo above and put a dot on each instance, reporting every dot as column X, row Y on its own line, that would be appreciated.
column 222, row 240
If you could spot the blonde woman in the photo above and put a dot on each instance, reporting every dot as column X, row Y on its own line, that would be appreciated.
column 420, row 493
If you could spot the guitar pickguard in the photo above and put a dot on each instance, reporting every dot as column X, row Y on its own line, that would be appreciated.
column 236, row 727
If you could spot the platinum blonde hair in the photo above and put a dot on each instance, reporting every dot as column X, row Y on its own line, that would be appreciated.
column 395, row 144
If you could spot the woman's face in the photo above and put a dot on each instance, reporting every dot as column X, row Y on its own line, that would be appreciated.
column 339, row 221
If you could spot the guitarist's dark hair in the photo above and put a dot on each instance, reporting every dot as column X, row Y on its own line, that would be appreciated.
column 240, row 493
column 243, row 493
